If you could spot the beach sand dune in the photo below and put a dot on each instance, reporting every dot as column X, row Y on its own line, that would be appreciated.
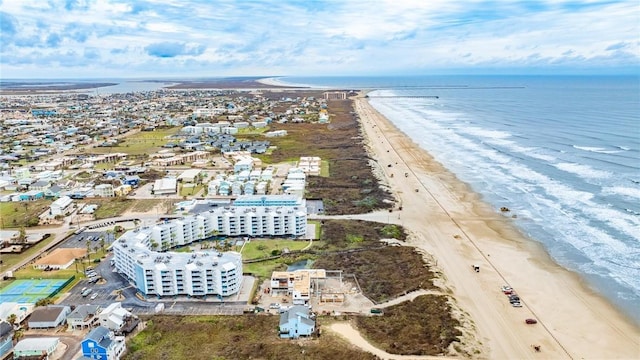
column 451, row 222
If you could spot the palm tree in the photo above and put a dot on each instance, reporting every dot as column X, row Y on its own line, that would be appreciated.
column 11, row 319
column 89, row 250
column 102, row 244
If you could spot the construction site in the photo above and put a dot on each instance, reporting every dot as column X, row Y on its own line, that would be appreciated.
column 329, row 292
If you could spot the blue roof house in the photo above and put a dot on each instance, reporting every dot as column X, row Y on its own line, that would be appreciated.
column 296, row 322
column 132, row 180
column 101, row 344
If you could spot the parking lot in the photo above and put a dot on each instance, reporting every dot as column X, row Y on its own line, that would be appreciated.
column 80, row 240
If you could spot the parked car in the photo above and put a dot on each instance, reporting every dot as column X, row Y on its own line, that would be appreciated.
column 516, row 304
column 94, row 296
column 274, row 306
column 531, row 321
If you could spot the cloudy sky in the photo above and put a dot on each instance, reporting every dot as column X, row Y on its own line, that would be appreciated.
column 209, row 38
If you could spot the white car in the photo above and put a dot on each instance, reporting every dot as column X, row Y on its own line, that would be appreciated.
column 94, row 296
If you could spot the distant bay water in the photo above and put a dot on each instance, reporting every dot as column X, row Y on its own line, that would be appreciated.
column 562, row 152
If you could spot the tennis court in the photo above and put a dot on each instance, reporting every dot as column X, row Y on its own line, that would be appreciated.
column 30, row 291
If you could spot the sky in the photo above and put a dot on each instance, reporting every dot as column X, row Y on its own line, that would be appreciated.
column 218, row 38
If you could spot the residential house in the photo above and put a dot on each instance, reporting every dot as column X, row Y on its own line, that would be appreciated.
column 102, row 344
column 299, row 284
column 104, row 190
column 113, row 316
column 132, row 180
column 31, row 195
column 6, row 338
column 35, row 348
column 20, row 310
column 296, row 322
column 60, row 206
column 84, row 316
column 47, row 317
column 53, row 192
column 41, row 185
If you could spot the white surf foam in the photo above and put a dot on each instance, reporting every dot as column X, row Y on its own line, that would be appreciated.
column 621, row 190
column 596, row 149
column 584, row 171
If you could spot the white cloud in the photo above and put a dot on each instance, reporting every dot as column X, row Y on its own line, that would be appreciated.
column 321, row 37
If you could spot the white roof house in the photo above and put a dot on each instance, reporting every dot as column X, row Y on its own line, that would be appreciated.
column 113, row 316
column 165, row 186
column 60, row 206
column 189, row 175
column 35, row 347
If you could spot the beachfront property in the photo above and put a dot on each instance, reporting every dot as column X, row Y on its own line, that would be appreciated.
column 298, row 284
column 203, row 273
column 296, row 322
column 137, row 252
column 115, row 318
column 335, row 95
column 101, row 343
column 310, row 165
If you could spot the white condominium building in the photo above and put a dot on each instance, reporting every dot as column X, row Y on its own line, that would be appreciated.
column 195, row 274
column 140, row 254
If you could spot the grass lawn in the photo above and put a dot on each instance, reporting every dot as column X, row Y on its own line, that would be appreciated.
column 23, row 213
column 263, row 269
column 143, row 142
column 188, row 191
column 257, row 249
column 31, row 273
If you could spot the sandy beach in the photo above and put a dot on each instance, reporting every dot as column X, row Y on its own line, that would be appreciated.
column 452, row 223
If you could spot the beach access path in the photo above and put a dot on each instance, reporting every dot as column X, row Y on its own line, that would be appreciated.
column 451, row 222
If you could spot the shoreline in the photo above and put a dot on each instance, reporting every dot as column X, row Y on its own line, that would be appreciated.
column 559, row 299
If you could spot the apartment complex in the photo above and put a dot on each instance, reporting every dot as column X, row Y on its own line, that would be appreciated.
column 195, row 274
column 140, row 254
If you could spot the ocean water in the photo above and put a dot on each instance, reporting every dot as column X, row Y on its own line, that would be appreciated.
column 562, row 152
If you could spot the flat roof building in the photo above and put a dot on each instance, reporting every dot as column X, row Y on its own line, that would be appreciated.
column 165, row 186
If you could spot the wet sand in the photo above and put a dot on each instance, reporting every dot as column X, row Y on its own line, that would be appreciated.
column 451, row 222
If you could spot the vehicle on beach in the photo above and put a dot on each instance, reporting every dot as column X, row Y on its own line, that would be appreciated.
column 476, row 268
column 531, row 321
column 516, row 304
